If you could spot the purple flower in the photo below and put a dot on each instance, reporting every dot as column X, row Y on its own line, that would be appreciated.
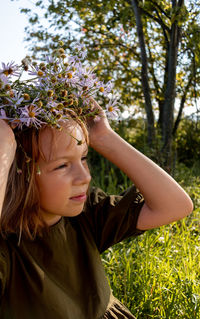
column 51, row 104
column 73, row 59
column 105, row 88
column 108, row 87
column 10, row 69
column 83, row 54
column 38, row 100
column 36, row 71
column 49, row 59
column 86, row 77
column 16, row 100
column 4, row 80
column 29, row 115
column 81, row 50
column 79, row 46
column 3, row 115
column 111, row 109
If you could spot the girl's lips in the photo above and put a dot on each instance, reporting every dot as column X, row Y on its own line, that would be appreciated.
column 79, row 198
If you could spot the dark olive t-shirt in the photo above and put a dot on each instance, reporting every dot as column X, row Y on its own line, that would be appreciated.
column 60, row 275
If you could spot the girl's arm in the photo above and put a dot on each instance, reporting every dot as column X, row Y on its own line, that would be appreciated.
column 7, row 153
column 165, row 200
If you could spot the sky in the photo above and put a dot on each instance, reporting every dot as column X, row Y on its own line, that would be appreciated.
column 12, row 24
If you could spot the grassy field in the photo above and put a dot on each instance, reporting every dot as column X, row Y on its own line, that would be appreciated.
column 157, row 275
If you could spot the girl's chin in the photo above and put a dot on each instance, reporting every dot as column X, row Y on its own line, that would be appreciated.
column 51, row 219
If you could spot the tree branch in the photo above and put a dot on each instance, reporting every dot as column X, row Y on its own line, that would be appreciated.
column 150, row 16
column 119, row 43
column 183, row 99
column 162, row 24
column 182, row 104
column 160, row 8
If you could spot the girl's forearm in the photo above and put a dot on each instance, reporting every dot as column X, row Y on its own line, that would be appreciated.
column 2, row 193
column 7, row 153
column 163, row 195
column 4, row 171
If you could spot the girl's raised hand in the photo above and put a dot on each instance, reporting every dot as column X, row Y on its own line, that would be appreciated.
column 7, row 142
column 99, row 126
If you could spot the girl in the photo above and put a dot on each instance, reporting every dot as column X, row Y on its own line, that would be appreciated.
column 55, row 269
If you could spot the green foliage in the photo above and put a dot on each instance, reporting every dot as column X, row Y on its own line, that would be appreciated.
column 107, row 175
column 188, row 143
column 156, row 275
column 108, row 30
column 186, row 151
column 189, row 179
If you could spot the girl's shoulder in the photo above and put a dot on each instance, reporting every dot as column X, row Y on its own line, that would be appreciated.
column 96, row 196
column 111, row 218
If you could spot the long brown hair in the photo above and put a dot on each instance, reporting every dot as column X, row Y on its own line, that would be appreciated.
column 20, row 213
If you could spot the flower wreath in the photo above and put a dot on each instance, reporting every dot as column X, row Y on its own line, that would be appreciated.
column 59, row 85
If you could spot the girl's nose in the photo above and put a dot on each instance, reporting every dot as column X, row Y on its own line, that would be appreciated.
column 82, row 174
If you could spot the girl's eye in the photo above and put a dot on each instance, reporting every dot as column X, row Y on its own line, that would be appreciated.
column 84, row 158
column 61, row 166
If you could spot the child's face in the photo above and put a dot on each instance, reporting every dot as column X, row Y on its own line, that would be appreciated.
column 65, row 178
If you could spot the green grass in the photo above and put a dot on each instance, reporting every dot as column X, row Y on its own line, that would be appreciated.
column 157, row 275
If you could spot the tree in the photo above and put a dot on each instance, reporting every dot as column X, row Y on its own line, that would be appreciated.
column 149, row 48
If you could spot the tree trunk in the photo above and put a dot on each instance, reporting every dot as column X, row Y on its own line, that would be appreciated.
column 170, row 92
column 144, row 73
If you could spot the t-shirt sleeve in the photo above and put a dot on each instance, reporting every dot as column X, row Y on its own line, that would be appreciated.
column 113, row 218
column 3, row 271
